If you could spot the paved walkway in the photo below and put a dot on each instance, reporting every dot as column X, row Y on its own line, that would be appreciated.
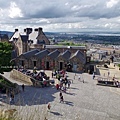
column 83, row 101
column 114, row 72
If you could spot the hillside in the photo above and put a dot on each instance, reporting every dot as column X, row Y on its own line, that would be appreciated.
column 7, row 32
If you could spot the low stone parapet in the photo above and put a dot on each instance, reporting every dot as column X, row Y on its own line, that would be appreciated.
column 17, row 75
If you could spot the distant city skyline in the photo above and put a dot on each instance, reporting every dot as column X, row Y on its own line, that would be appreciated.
column 60, row 16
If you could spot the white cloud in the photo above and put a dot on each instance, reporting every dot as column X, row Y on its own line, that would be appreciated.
column 111, row 3
column 63, row 15
column 14, row 11
column 43, row 21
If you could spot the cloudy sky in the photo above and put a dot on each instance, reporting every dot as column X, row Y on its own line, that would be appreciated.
column 60, row 15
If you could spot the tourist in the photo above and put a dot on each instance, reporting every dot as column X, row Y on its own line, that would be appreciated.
column 61, row 99
column 74, row 77
column 113, row 79
column 79, row 78
column 117, row 83
column 63, row 89
column 52, row 74
column 93, row 75
column 12, row 98
column 57, row 86
column 49, row 106
column 23, row 87
column 69, row 82
column 60, row 93
column 83, row 80
column 108, row 73
column 65, row 82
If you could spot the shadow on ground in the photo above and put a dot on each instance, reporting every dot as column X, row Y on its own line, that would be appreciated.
column 69, row 103
column 56, row 113
column 32, row 96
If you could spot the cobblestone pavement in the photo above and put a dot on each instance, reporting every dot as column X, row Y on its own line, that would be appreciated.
column 83, row 101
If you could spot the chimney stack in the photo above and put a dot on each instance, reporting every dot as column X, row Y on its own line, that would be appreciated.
column 24, row 30
column 28, row 30
column 36, row 29
column 39, row 29
column 16, row 30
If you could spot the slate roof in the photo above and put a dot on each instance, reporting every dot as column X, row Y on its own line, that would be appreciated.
column 42, row 54
column 29, row 54
column 54, row 54
column 66, row 55
column 80, row 56
column 68, row 47
column 24, row 38
column 16, row 35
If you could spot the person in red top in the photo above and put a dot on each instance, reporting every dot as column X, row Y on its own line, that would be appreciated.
column 57, row 86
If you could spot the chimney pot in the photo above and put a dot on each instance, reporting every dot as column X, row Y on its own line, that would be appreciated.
column 16, row 30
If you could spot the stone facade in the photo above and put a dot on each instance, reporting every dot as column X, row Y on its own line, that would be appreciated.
column 29, row 39
column 34, row 50
column 53, row 60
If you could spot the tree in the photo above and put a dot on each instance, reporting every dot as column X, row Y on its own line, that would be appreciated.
column 5, row 56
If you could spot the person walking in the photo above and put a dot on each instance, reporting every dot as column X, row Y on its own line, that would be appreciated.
column 79, row 78
column 48, row 106
column 60, row 94
column 61, row 97
column 108, row 73
column 23, row 87
column 57, row 86
column 69, row 82
column 52, row 74
column 93, row 75
column 12, row 98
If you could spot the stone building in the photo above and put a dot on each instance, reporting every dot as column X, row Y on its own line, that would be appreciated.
column 33, row 49
column 25, row 41
column 44, row 59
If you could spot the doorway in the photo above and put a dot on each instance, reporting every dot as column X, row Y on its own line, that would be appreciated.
column 74, row 67
column 47, row 65
column 61, row 65
column 34, row 63
column 22, row 63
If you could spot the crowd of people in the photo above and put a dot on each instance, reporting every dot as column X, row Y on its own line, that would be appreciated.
column 37, row 77
column 63, row 82
column 41, row 76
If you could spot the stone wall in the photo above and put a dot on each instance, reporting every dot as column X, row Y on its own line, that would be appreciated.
column 17, row 75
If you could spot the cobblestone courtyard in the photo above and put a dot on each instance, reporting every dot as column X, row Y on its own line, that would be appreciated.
column 83, row 101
